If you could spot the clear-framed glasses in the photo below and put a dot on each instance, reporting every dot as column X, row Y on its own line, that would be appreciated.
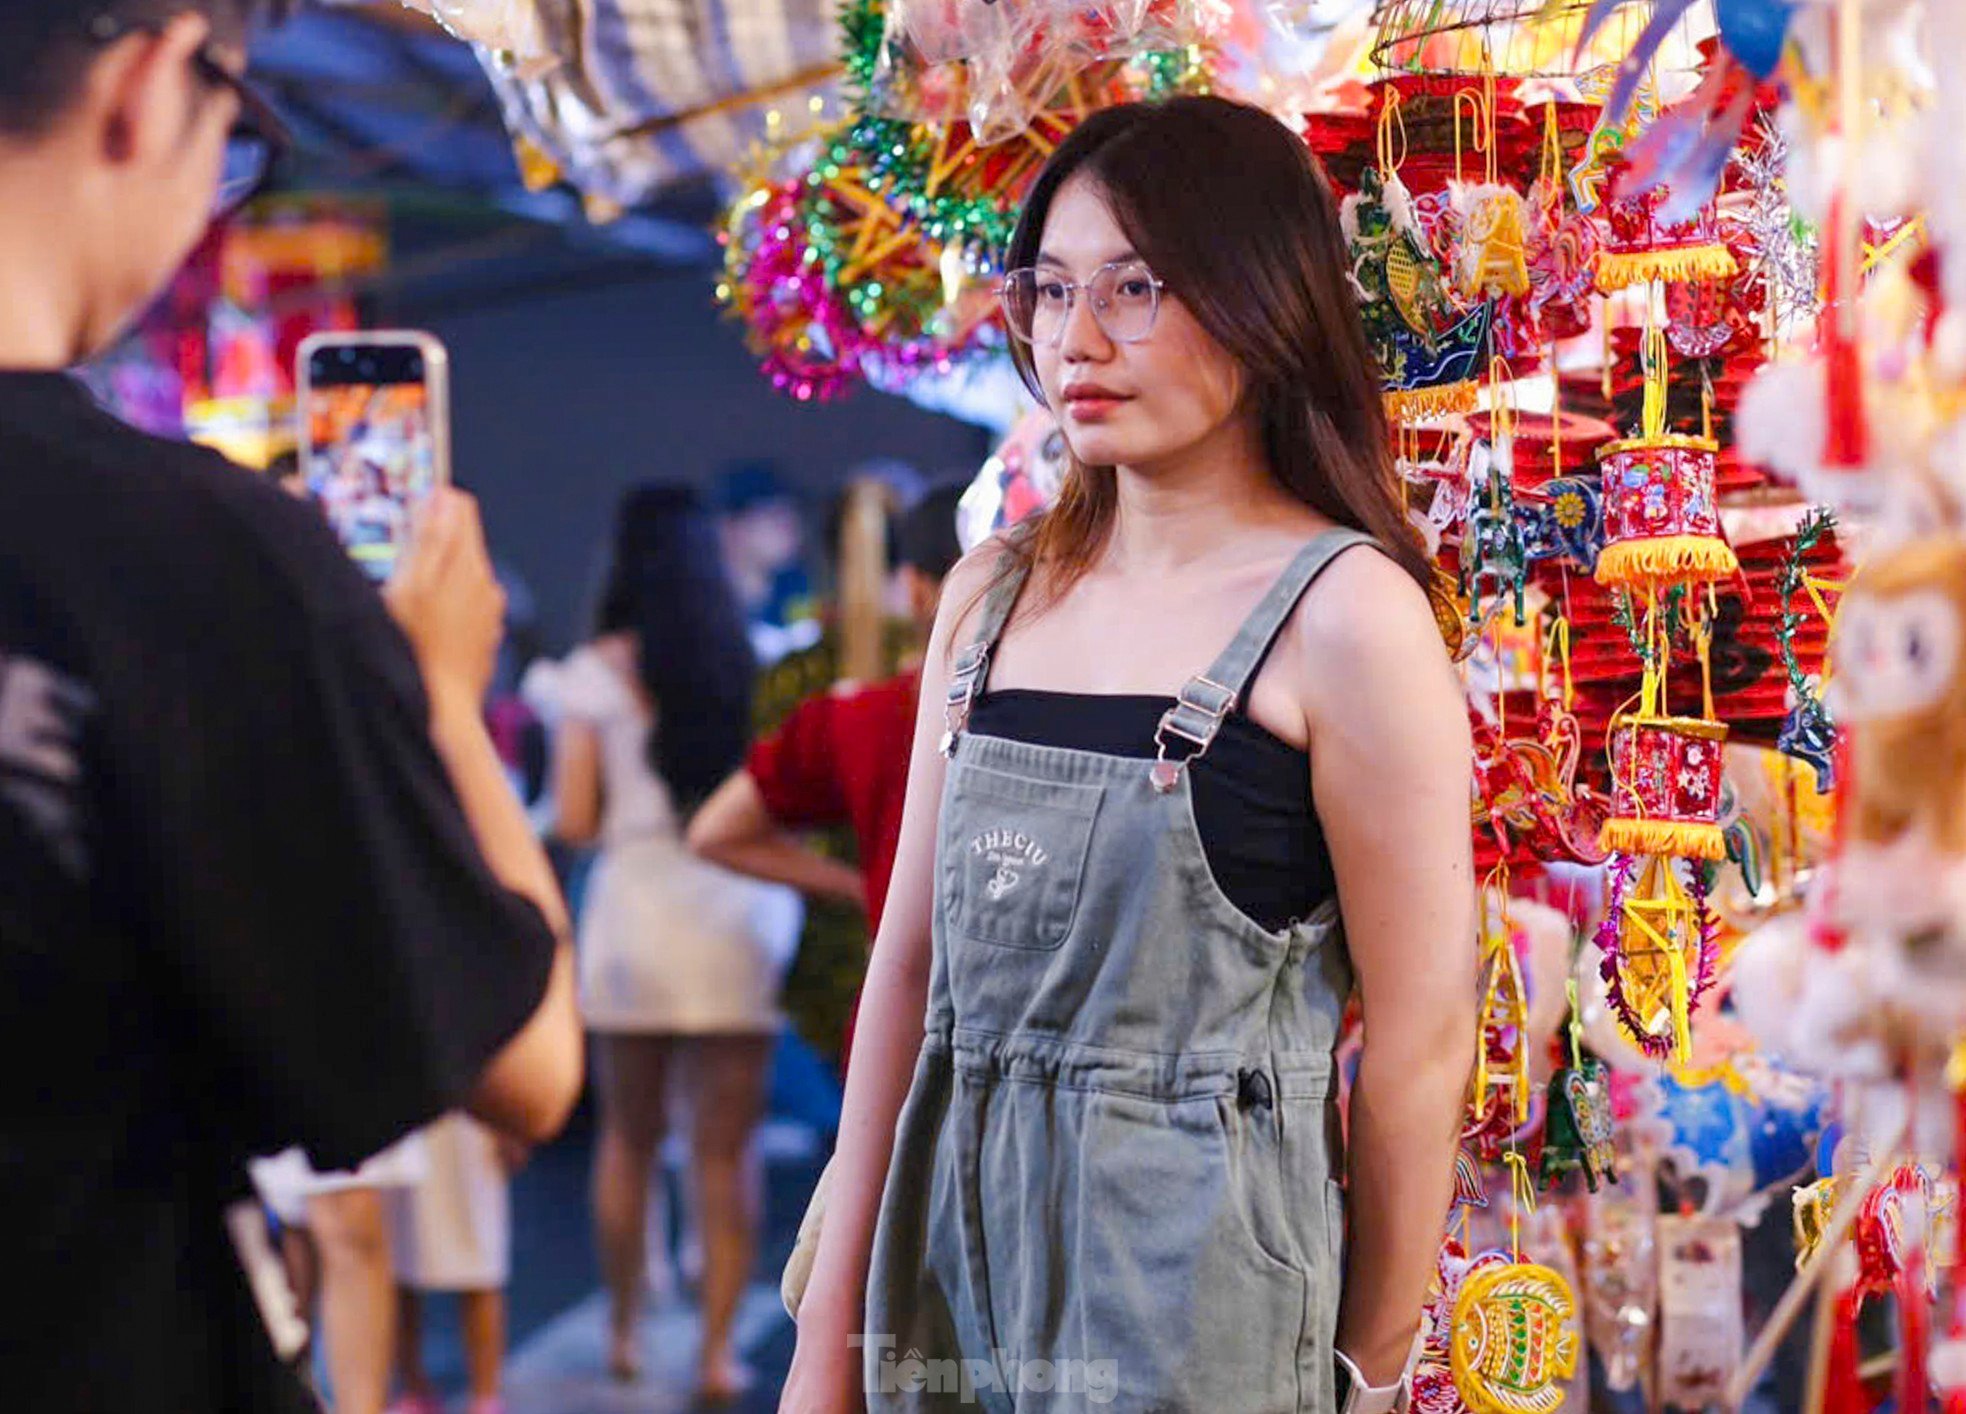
column 1124, row 295
column 259, row 139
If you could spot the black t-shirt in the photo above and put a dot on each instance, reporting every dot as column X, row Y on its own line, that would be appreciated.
column 240, row 907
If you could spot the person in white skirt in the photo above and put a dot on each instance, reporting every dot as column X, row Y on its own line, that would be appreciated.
column 337, row 1250
column 452, row 1233
column 680, row 961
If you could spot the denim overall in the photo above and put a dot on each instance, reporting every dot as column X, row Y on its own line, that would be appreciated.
column 1112, row 1181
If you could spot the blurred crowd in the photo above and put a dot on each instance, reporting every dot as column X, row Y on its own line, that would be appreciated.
column 719, row 767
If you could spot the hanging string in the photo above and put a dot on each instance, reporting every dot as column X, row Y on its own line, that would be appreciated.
column 1556, row 414
column 1654, row 358
column 1604, row 328
column 1522, row 1198
column 1549, row 170
column 1703, row 643
column 1472, row 102
column 1558, row 646
column 1491, row 169
column 1652, row 684
column 1576, row 1027
column 1392, row 119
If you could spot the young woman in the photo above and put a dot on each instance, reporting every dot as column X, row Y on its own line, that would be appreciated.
column 1197, row 718
column 680, row 961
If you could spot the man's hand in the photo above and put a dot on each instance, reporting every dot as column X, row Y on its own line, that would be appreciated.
column 448, row 602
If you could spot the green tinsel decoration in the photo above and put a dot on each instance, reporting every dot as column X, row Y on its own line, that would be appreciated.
column 1171, row 73
column 1626, row 617
column 1820, row 521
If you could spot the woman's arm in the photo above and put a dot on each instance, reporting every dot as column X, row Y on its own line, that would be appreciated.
column 576, row 783
column 735, row 829
column 1391, row 764
column 826, row 1367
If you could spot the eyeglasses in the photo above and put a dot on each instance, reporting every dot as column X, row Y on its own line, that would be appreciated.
column 1124, row 295
column 259, row 139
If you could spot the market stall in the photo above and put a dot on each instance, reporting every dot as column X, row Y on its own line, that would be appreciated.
column 1665, row 299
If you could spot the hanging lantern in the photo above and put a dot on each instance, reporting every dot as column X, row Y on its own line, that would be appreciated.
column 1514, row 1339
column 1659, row 953
column 1640, row 245
column 1661, row 522
column 1665, row 787
column 1500, row 1103
column 1578, row 1134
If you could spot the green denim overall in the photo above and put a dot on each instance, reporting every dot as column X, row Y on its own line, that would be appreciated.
column 1112, row 1184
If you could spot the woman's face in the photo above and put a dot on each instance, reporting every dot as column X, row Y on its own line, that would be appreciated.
column 1125, row 404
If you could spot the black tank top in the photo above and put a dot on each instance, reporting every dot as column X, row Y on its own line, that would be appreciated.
column 1252, row 791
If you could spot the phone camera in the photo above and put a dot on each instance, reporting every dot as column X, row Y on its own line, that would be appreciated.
column 416, row 368
column 348, row 355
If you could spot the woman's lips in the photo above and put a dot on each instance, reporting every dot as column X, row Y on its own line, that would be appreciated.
column 1092, row 404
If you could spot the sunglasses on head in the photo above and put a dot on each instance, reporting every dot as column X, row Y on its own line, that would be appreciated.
column 259, row 139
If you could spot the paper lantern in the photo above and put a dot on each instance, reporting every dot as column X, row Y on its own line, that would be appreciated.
column 1661, row 522
column 1665, row 787
column 1640, row 245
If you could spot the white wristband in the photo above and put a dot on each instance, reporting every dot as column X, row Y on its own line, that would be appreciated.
column 1363, row 1398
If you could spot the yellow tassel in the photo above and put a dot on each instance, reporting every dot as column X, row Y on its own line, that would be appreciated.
column 1669, row 838
column 1682, row 1011
column 1666, row 560
column 537, row 170
column 1620, row 270
column 1405, row 405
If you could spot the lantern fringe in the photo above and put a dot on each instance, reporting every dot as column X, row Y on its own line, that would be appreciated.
column 1677, row 264
column 1424, row 404
column 1666, row 560
column 1674, row 838
column 1694, row 983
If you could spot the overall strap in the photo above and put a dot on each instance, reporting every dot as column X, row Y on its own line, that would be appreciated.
column 971, row 669
column 1206, row 701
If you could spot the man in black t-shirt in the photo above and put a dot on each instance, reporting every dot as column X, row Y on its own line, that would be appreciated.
column 262, row 879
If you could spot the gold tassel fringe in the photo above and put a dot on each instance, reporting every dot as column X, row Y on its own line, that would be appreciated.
column 1666, row 560
column 1410, row 405
column 1670, row 838
column 1618, row 271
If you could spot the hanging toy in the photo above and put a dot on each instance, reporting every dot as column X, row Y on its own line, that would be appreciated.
column 1578, row 1134
column 1642, row 243
column 1469, row 1190
column 1661, row 519
column 1512, row 1335
column 1614, row 132
column 1577, row 1130
column 1514, row 1339
column 1814, row 1203
column 1666, row 781
column 1658, row 941
column 1493, row 259
column 1430, row 356
column 1500, row 1098
column 1808, row 731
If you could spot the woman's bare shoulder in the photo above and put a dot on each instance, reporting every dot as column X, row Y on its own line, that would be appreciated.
column 1366, row 640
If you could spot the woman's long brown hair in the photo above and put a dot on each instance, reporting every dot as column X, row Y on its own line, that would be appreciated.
column 1235, row 216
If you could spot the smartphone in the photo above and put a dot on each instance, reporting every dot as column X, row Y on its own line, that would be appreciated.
column 374, row 436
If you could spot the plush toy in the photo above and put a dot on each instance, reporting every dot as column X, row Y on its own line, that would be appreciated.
column 1900, row 684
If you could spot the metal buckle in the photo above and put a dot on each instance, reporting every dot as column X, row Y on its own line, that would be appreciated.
column 1166, row 774
column 969, row 669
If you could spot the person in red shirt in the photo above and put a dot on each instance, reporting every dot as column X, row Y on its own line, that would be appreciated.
column 840, row 759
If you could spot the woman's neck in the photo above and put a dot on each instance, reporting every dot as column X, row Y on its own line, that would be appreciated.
column 1184, row 508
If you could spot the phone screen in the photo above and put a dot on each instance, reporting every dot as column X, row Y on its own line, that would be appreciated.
column 372, row 446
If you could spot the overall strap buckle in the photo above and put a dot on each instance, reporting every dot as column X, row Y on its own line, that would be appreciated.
column 1196, row 716
column 964, row 679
